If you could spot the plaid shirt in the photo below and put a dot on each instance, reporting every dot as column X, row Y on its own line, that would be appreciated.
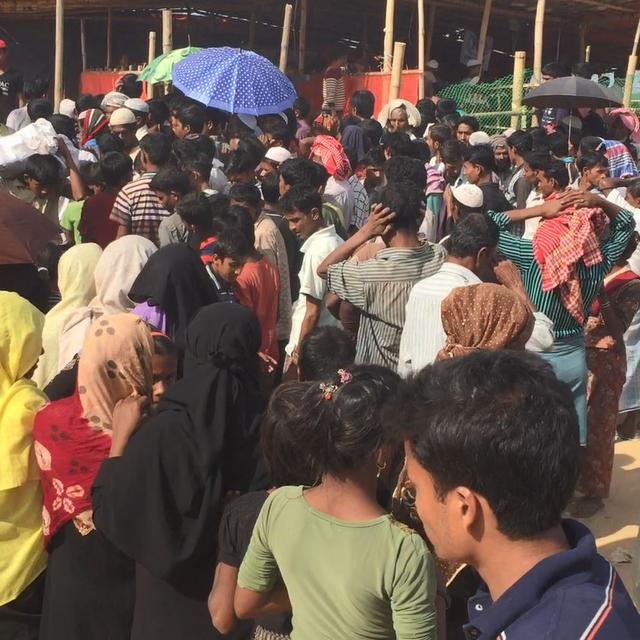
column 361, row 210
column 137, row 207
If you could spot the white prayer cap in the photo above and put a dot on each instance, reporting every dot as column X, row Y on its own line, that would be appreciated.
column 479, row 137
column 469, row 195
column 114, row 99
column 122, row 116
column 135, row 104
column 278, row 154
column 68, row 108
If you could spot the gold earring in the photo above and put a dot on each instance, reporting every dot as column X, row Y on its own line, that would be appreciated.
column 381, row 468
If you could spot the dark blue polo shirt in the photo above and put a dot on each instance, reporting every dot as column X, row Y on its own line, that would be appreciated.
column 572, row 595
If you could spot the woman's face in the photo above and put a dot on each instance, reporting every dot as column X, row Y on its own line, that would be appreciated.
column 165, row 372
column 398, row 121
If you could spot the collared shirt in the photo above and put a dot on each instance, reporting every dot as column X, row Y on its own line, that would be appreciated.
column 340, row 193
column 138, row 209
column 520, row 252
column 315, row 249
column 172, row 230
column 572, row 595
column 142, row 132
column 380, row 288
column 361, row 208
column 423, row 335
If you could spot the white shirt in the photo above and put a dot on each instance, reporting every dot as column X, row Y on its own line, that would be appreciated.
column 423, row 335
column 315, row 249
column 531, row 224
column 142, row 132
column 18, row 119
column 340, row 193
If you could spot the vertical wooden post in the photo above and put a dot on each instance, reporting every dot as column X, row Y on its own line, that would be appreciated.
column 518, row 85
column 631, row 69
column 152, row 47
column 83, row 44
column 252, row 29
column 421, row 59
column 396, row 70
column 388, row 35
column 59, row 55
column 431, row 18
column 302, row 38
column 109, row 27
column 167, row 30
column 582, row 41
column 538, row 42
column 484, row 27
column 286, row 33
column 587, row 53
column 558, row 41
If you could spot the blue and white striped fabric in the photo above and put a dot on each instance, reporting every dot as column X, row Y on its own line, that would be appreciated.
column 234, row 80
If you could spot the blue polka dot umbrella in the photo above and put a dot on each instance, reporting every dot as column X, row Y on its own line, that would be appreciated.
column 234, row 80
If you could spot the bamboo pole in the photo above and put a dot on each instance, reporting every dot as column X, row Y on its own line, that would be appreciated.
column 484, row 27
column 421, row 60
column 582, row 41
column 518, row 87
column 83, row 44
column 388, row 35
column 59, row 55
column 286, row 33
column 152, row 47
column 587, row 53
column 252, row 30
column 396, row 70
column 636, row 40
column 631, row 69
column 538, row 42
column 109, row 27
column 431, row 18
column 167, row 30
column 302, row 38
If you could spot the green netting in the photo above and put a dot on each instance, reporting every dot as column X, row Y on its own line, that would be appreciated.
column 491, row 102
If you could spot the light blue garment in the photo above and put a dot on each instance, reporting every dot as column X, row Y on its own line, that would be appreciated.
column 569, row 361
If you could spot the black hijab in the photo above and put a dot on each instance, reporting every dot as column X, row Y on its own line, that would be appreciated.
column 175, row 280
column 160, row 502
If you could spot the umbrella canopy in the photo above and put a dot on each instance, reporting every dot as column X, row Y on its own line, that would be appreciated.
column 571, row 92
column 161, row 68
column 234, row 80
column 24, row 231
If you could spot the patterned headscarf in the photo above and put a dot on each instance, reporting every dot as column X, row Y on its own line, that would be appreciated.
column 630, row 121
column 484, row 316
column 333, row 157
column 93, row 122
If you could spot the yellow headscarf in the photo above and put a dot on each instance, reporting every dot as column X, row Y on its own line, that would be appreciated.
column 23, row 557
column 77, row 287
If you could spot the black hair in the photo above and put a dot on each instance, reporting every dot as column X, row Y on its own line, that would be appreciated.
column 499, row 423
column 198, row 144
column 248, row 193
column 452, row 120
column 452, row 151
column 363, row 102
column 403, row 169
column 445, row 107
column 592, row 143
column 91, row 173
column 372, row 130
column 240, row 162
column 36, row 88
column 232, row 243
column 157, row 147
column 340, row 429
column 558, row 144
column 405, row 199
column 319, row 177
column 192, row 115
column 286, row 464
column 240, row 218
column 63, row 125
column 158, row 111
column 116, row 167
column 590, row 160
column 633, row 188
column 302, row 105
column 86, row 101
column 251, row 146
column 39, row 108
column 43, row 168
column 557, row 170
column 398, row 144
column 219, row 203
column 217, row 117
column 482, row 155
column 197, row 162
column 537, row 160
column 470, row 121
column 298, row 171
column 109, row 142
column 194, row 208
column 556, row 69
column 130, row 85
column 301, row 198
column 538, row 138
column 440, row 133
column 270, row 186
column 521, row 141
column 171, row 179
column 373, row 158
column 473, row 232
column 324, row 351
column 427, row 109
column 164, row 346
column 279, row 131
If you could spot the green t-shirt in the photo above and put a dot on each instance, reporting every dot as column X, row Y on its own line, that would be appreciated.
column 71, row 219
column 346, row 580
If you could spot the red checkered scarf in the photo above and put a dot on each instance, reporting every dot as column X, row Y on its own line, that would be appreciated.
column 559, row 244
column 334, row 159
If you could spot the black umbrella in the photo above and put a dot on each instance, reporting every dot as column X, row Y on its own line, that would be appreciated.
column 571, row 92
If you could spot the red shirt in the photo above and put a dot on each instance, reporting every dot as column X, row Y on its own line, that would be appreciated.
column 258, row 287
column 95, row 225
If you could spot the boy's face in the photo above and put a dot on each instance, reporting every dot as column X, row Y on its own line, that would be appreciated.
column 303, row 224
column 179, row 130
column 531, row 176
column 595, row 175
column 227, row 268
column 38, row 189
column 546, row 185
column 452, row 169
column 472, row 171
column 168, row 200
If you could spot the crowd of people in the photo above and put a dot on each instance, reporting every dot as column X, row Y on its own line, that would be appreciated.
column 334, row 377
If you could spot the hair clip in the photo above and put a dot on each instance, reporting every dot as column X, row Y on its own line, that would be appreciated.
column 345, row 376
column 328, row 390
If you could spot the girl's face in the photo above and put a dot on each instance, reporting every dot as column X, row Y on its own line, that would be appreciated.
column 165, row 372
column 398, row 121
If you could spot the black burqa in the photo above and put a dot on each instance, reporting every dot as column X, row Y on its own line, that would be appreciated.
column 175, row 280
column 160, row 503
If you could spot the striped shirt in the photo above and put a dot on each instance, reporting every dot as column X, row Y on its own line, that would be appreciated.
column 380, row 288
column 333, row 92
column 361, row 209
column 520, row 252
column 138, row 209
